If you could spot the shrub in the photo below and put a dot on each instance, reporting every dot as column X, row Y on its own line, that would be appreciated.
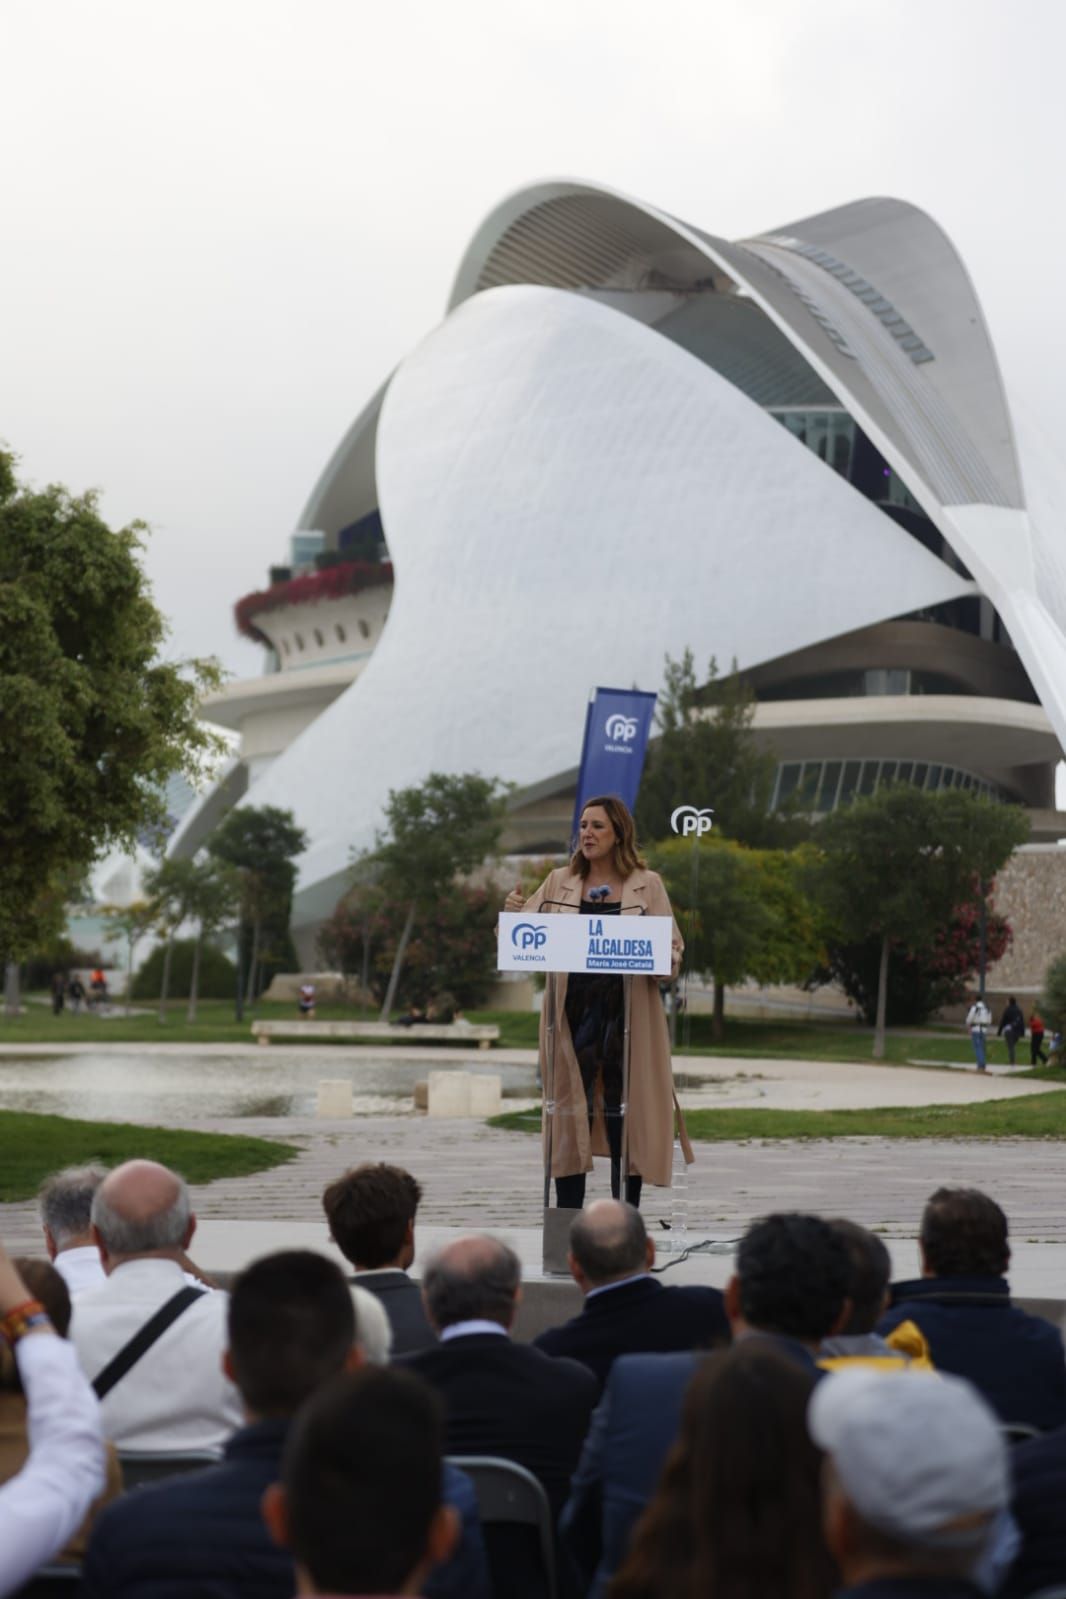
column 218, row 975
column 920, row 982
column 62, row 956
column 452, row 951
column 1053, row 1000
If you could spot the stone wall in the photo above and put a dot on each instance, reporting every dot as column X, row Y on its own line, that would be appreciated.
column 1031, row 894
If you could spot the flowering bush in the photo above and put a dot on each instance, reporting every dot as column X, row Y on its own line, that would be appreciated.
column 332, row 583
column 921, row 982
column 452, row 948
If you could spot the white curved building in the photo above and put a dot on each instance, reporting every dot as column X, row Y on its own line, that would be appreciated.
column 629, row 437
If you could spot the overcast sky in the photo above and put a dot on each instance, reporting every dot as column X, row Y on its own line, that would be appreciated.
column 226, row 220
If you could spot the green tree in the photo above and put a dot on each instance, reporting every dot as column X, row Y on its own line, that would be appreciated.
column 167, row 886
column 742, row 913
column 261, row 843
column 92, row 721
column 132, row 922
column 706, row 754
column 896, row 866
column 437, row 831
column 450, row 952
column 213, row 898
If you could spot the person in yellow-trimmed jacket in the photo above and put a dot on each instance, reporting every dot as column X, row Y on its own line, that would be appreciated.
column 857, row 1344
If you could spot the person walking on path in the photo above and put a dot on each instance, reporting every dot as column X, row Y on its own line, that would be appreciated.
column 1011, row 1026
column 1036, row 1039
column 979, row 1020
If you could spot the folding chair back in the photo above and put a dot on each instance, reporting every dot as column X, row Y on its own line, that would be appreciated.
column 509, row 1496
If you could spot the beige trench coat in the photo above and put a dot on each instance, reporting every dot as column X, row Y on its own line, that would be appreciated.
column 653, row 1107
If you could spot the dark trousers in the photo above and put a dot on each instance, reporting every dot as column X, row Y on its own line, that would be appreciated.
column 1036, row 1048
column 570, row 1191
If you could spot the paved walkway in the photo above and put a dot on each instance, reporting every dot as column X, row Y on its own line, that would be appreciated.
column 476, row 1176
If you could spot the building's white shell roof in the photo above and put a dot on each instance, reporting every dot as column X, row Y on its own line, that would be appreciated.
column 568, row 495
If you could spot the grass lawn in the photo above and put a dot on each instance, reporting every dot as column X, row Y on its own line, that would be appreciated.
column 215, row 1024
column 1041, row 1116
column 36, row 1145
column 788, row 1039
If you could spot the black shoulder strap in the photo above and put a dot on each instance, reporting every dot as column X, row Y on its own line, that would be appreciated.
column 143, row 1339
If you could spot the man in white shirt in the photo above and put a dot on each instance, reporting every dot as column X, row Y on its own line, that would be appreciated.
column 65, row 1203
column 46, row 1501
column 175, row 1394
column 978, row 1020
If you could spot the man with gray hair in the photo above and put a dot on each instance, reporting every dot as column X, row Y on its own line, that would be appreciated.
column 149, row 1340
column 64, row 1202
column 627, row 1310
column 501, row 1398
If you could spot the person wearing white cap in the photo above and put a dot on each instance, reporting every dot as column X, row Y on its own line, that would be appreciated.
column 915, row 1481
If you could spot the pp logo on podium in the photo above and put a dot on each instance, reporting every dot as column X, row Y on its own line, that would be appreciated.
column 690, row 822
column 527, row 935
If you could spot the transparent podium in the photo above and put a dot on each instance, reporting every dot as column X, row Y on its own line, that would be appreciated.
column 621, row 944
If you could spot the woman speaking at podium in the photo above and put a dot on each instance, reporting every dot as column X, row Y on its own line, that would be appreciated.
column 586, row 1013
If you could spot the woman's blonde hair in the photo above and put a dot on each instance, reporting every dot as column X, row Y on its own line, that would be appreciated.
column 627, row 857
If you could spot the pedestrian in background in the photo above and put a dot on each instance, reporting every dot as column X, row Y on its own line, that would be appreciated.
column 1036, row 1039
column 979, row 1020
column 1011, row 1026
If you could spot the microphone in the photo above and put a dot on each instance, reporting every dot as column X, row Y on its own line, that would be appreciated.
column 599, row 893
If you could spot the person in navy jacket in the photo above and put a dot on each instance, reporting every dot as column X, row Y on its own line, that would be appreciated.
column 962, row 1307
column 627, row 1311
column 790, row 1289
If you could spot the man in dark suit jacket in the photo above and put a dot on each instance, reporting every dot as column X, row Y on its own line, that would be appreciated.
column 627, row 1311
column 371, row 1214
column 790, row 1286
column 501, row 1398
column 962, row 1307
column 291, row 1330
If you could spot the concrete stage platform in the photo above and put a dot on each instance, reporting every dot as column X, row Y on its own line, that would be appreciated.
column 224, row 1247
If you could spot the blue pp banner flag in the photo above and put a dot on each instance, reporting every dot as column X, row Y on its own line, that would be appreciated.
column 617, row 727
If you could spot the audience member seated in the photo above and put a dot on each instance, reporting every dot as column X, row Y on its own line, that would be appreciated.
column 65, row 1204
column 737, row 1508
column 788, row 1291
column 44, row 1284
column 44, row 1504
column 359, row 1504
column 857, row 1342
column 174, row 1394
column 292, row 1329
column 500, row 1398
column 627, row 1310
column 962, row 1308
column 1038, row 1498
column 371, row 1213
column 915, row 1482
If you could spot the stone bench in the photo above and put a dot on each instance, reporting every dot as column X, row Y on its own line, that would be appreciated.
column 483, row 1034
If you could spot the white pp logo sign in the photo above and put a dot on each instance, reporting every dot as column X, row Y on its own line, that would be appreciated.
column 690, row 822
column 621, row 729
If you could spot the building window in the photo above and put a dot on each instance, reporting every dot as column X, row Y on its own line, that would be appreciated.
column 299, row 640
column 319, row 639
column 342, row 637
column 363, row 628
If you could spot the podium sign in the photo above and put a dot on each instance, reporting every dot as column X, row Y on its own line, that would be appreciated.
column 576, row 943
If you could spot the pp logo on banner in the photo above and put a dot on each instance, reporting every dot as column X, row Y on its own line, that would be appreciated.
column 687, row 820
column 527, row 935
column 621, row 729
